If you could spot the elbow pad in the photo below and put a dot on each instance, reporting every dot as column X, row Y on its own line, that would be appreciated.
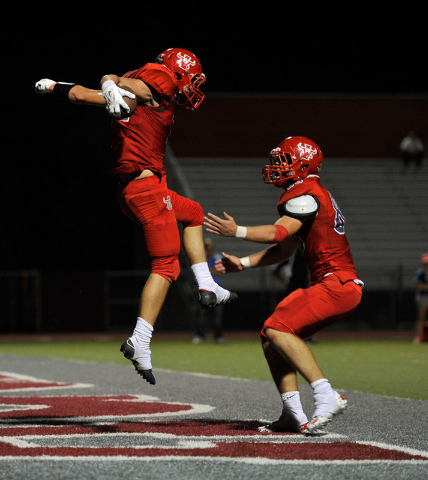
column 281, row 234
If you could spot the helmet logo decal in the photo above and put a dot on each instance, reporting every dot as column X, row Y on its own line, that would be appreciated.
column 185, row 61
column 306, row 151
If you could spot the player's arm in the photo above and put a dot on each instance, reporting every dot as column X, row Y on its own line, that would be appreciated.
column 85, row 96
column 270, row 256
column 274, row 254
column 145, row 94
column 276, row 233
column 71, row 91
column 294, row 212
column 111, row 95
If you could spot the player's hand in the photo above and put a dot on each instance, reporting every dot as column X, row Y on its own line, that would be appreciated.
column 224, row 227
column 45, row 85
column 228, row 264
column 114, row 99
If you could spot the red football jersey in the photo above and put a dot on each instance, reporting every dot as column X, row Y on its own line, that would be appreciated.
column 326, row 248
column 138, row 142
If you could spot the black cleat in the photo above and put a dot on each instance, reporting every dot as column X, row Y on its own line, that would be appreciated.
column 128, row 351
column 208, row 298
column 232, row 298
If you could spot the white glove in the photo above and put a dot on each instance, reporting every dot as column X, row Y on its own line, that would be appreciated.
column 43, row 86
column 114, row 98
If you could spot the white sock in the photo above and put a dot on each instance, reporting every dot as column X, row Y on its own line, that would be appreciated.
column 321, row 386
column 206, row 282
column 142, row 336
column 325, row 398
column 293, row 406
column 203, row 276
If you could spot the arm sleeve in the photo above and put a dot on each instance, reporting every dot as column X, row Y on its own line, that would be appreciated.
column 159, row 78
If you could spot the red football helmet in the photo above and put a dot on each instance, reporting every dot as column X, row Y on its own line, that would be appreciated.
column 186, row 68
column 294, row 159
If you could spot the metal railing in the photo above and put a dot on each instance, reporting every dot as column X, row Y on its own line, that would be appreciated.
column 23, row 295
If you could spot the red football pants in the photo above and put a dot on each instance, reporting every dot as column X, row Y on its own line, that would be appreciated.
column 306, row 311
column 149, row 203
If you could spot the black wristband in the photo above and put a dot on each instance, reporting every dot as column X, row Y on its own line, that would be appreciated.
column 62, row 89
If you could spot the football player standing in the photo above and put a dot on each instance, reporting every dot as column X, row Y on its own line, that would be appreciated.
column 310, row 219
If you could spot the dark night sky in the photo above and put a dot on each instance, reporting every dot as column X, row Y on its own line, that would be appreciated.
column 295, row 48
column 58, row 204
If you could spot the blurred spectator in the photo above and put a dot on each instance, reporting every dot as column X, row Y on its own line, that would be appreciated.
column 422, row 299
column 210, row 315
column 412, row 150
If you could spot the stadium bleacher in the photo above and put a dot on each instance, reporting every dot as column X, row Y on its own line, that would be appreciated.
column 385, row 211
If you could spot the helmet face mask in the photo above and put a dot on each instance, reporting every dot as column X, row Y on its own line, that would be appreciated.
column 294, row 159
column 191, row 96
column 187, row 70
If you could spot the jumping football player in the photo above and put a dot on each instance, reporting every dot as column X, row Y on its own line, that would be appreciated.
column 310, row 219
column 138, row 153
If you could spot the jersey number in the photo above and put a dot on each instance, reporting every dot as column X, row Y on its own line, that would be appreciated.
column 339, row 219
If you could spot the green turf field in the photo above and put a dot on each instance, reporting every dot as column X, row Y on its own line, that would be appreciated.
column 394, row 368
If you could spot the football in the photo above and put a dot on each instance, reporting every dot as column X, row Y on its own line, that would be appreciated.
column 132, row 103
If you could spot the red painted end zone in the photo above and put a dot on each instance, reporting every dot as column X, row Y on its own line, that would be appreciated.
column 133, row 426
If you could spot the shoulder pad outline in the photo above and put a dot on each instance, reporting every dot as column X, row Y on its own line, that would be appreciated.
column 302, row 207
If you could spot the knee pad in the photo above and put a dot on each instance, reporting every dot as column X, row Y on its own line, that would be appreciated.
column 166, row 267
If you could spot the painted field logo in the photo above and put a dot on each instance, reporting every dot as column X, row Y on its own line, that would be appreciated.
column 43, row 410
column 139, row 426
column 14, row 382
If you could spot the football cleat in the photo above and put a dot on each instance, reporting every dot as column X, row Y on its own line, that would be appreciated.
column 285, row 424
column 271, row 429
column 318, row 423
column 128, row 350
column 208, row 298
